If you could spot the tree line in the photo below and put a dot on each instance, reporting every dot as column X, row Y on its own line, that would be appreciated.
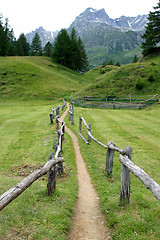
column 69, row 49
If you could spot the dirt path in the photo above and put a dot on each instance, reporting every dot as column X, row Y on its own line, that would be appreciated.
column 88, row 222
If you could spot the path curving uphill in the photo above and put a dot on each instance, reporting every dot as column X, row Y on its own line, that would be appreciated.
column 88, row 222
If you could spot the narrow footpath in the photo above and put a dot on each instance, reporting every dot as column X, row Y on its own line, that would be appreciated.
column 88, row 222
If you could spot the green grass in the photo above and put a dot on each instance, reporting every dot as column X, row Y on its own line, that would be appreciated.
column 140, row 130
column 36, row 78
column 125, row 80
column 26, row 139
column 40, row 78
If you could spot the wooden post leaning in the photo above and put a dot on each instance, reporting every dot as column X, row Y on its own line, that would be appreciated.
column 125, row 180
column 109, row 159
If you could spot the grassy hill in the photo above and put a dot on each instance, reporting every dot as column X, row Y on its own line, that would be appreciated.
column 36, row 78
column 40, row 78
column 137, row 79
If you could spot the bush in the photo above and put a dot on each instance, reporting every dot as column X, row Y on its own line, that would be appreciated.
column 139, row 84
column 102, row 71
column 151, row 78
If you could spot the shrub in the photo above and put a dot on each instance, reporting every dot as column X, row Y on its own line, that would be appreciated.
column 151, row 78
column 102, row 71
column 139, row 83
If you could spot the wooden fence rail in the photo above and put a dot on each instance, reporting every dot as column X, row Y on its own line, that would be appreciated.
column 14, row 192
column 127, row 166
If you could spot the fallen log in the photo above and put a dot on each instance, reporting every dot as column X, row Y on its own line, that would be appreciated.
column 14, row 192
column 145, row 179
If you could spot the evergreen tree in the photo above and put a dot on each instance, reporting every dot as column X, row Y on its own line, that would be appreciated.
column 7, row 40
column 10, row 40
column 36, row 46
column 110, row 62
column 74, row 49
column 82, row 63
column 135, row 59
column 152, row 33
column 62, row 49
column 69, row 51
column 22, row 46
column 2, row 38
column 118, row 64
column 48, row 49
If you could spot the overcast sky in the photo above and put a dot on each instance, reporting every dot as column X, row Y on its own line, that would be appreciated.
column 27, row 15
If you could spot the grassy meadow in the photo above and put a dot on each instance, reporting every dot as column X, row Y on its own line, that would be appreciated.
column 140, row 130
column 26, row 139
column 37, row 78
column 29, row 88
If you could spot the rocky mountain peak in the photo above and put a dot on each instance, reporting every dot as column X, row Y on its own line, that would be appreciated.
column 94, row 15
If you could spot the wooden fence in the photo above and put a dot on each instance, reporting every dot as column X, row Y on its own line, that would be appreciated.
column 115, row 102
column 54, row 165
column 127, row 166
column 52, row 115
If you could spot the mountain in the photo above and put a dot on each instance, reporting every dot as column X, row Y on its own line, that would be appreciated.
column 104, row 38
column 46, row 36
column 91, row 15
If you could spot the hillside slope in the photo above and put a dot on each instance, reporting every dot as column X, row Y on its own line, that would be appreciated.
column 137, row 79
column 36, row 78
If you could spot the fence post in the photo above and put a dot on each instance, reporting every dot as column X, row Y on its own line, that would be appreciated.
column 72, row 116
column 53, row 112
column 57, row 124
column 109, row 159
column 57, row 111
column 70, row 107
column 63, row 130
column 80, row 124
column 51, row 183
column 55, row 146
column 51, row 118
column 89, row 129
column 125, row 180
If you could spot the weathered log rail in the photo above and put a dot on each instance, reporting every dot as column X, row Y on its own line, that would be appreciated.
column 127, row 166
column 14, row 192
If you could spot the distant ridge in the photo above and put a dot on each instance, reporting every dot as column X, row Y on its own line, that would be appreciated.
column 103, row 37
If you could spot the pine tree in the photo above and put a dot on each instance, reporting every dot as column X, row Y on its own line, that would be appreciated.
column 152, row 33
column 135, row 59
column 7, row 40
column 74, row 49
column 62, row 49
column 48, row 49
column 2, row 38
column 22, row 46
column 69, row 51
column 82, row 63
column 110, row 62
column 36, row 46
